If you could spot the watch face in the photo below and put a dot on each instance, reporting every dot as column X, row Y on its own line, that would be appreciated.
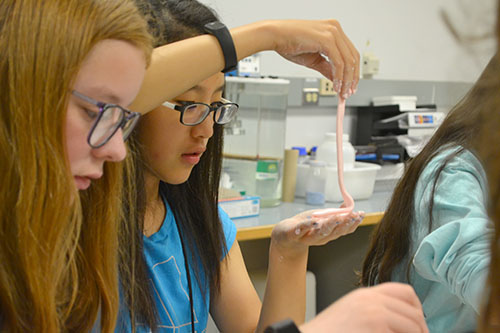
column 215, row 25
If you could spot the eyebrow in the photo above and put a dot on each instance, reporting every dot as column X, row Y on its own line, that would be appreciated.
column 102, row 94
column 200, row 89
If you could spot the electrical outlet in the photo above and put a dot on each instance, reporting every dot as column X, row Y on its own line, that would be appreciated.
column 326, row 88
column 310, row 96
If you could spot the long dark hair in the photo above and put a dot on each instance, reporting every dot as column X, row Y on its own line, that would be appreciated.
column 195, row 202
column 489, row 138
column 391, row 242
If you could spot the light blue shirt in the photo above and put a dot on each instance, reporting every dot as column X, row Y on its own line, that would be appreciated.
column 166, row 269
column 450, row 266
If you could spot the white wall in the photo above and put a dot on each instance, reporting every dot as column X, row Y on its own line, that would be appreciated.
column 408, row 36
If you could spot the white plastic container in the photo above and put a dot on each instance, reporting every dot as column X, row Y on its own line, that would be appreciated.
column 406, row 103
column 315, row 185
column 359, row 182
column 327, row 151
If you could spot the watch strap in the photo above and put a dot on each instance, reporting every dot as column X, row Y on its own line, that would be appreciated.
column 284, row 326
column 220, row 31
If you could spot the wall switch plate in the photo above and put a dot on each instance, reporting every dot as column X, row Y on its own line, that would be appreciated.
column 310, row 96
column 370, row 65
column 326, row 88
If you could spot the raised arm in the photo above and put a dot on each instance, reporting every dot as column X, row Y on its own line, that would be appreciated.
column 320, row 45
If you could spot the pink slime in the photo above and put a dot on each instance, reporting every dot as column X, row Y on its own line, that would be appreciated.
column 348, row 205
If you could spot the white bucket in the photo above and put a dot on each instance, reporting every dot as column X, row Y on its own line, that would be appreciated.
column 358, row 181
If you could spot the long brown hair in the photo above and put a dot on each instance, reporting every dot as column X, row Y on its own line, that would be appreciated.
column 489, row 139
column 490, row 152
column 195, row 202
column 58, row 249
column 391, row 242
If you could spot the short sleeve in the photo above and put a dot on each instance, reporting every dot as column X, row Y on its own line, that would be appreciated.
column 456, row 252
column 229, row 229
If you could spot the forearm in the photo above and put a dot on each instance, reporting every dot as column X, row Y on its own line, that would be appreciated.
column 179, row 66
column 285, row 289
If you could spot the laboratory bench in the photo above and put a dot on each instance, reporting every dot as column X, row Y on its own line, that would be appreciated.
column 334, row 265
column 259, row 227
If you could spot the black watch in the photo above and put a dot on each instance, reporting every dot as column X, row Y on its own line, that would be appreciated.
column 220, row 31
column 284, row 326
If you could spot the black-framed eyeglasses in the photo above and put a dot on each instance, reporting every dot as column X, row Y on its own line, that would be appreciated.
column 109, row 119
column 194, row 113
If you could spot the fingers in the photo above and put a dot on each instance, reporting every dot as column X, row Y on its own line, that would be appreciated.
column 345, row 228
column 327, row 229
column 404, row 317
column 345, row 59
column 349, row 68
column 357, row 61
column 307, row 230
column 402, row 311
column 401, row 291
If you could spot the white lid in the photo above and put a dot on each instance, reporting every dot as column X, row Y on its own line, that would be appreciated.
column 333, row 137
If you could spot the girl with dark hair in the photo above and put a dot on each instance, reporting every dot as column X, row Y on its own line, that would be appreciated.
column 192, row 260
column 436, row 232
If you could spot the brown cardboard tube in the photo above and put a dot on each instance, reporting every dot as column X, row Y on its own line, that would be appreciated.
column 289, row 174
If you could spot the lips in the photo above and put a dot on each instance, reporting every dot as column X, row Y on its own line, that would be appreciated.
column 83, row 182
column 193, row 157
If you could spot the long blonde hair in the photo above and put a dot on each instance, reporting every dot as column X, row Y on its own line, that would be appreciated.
column 58, row 249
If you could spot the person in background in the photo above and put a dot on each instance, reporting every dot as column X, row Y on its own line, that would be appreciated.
column 435, row 233
column 489, row 139
column 191, row 255
column 63, row 121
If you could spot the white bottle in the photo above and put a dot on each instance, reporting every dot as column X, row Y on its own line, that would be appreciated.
column 327, row 151
column 315, row 185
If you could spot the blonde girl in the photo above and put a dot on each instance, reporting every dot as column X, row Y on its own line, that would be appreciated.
column 58, row 245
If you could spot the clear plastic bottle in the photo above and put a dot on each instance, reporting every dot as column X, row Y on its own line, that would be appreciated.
column 316, row 180
column 327, row 151
column 312, row 152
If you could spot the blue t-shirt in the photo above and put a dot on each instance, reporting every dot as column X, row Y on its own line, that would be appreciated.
column 450, row 263
column 166, row 269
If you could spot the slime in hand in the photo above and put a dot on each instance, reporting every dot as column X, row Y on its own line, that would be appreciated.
column 348, row 205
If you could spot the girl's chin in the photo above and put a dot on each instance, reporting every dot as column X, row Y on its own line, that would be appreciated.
column 178, row 178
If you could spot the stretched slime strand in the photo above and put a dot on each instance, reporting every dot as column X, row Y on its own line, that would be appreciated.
column 348, row 205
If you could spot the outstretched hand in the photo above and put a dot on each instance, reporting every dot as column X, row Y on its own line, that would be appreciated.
column 297, row 233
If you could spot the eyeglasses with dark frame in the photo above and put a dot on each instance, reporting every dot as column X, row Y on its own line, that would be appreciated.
column 194, row 113
column 109, row 119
